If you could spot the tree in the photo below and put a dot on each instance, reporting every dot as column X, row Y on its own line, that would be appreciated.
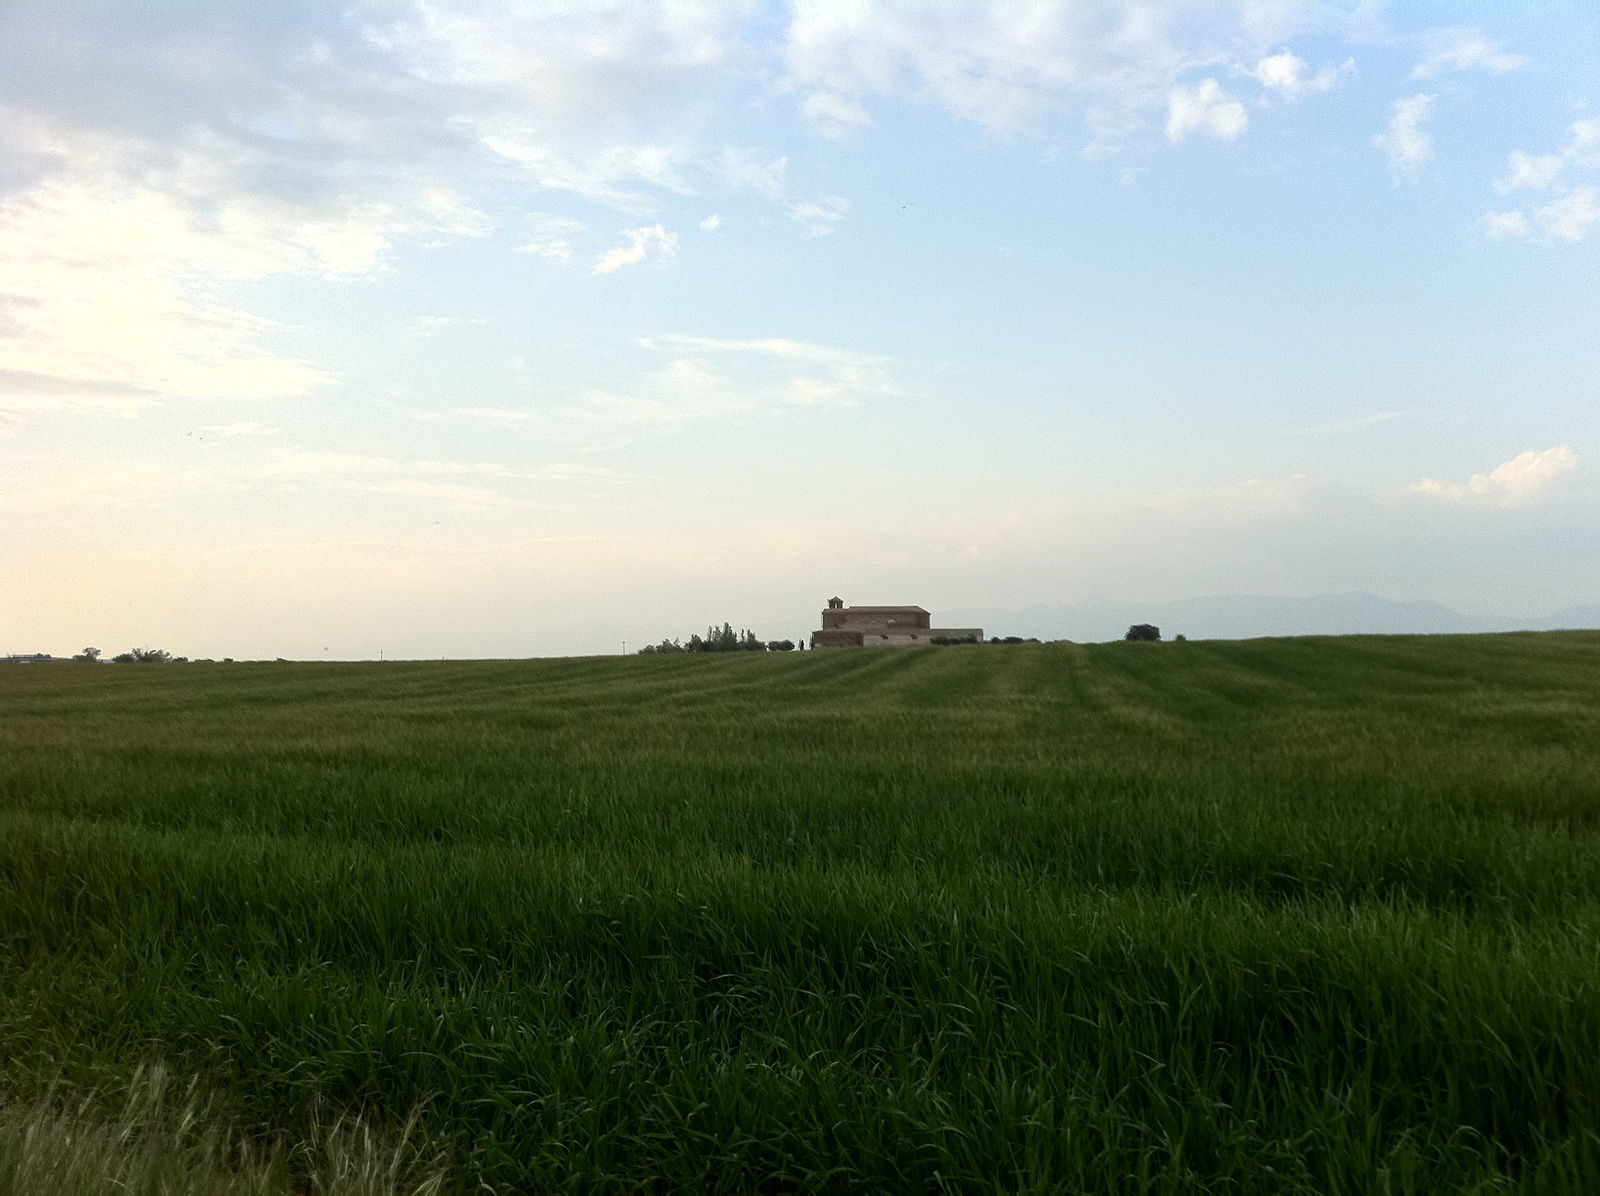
column 88, row 655
column 716, row 639
column 663, row 646
column 143, row 656
column 1144, row 633
column 780, row 645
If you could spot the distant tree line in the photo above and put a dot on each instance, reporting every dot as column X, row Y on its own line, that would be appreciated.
column 133, row 656
column 719, row 639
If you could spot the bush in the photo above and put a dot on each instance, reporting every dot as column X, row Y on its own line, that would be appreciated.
column 1144, row 633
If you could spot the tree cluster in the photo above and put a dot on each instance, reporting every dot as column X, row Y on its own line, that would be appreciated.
column 137, row 656
column 719, row 639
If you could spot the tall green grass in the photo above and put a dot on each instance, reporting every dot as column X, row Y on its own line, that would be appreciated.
column 1292, row 915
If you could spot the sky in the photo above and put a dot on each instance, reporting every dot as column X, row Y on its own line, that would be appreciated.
column 518, row 330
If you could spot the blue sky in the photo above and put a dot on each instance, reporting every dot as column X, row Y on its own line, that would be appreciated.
column 506, row 330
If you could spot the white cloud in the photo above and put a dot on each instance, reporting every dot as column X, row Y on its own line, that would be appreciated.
column 834, row 115
column 753, row 170
column 1500, row 225
column 1285, row 73
column 1004, row 65
column 597, row 99
column 711, row 223
column 550, row 237
column 1515, row 483
column 1538, row 171
column 1535, row 171
column 819, row 216
column 641, row 243
column 1569, row 216
column 1405, row 141
column 1205, row 108
column 151, row 164
column 110, row 295
column 1449, row 50
column 858, row 373
column 715, row 380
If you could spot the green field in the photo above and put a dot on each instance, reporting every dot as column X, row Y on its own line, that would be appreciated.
column 1315, row 915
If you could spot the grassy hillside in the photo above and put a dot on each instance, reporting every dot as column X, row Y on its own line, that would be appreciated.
column 1289, row 915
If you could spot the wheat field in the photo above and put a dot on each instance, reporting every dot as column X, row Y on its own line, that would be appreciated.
column 1296, row 915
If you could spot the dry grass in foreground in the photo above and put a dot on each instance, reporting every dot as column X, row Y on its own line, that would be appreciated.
column 164, row 1139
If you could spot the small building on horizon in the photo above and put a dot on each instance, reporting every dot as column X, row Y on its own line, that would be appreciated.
column 884, row 627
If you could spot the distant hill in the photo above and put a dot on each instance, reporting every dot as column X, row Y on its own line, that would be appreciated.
column 1245, row 616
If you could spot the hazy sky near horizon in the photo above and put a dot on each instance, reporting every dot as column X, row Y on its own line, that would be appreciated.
column 463, row 329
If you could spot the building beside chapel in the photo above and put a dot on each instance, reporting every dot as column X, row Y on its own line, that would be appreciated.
column 883, row 627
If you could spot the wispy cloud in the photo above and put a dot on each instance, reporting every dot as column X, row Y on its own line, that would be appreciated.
column 753, row 170
column 1405, row 141
column 1449, row 50
column 641, row 243
column 1500, row 225
column 550, row 237
column 704, row 379
column 834, row 115
column 820, row 216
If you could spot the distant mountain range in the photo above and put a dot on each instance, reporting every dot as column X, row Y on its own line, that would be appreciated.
column 1245, row 616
